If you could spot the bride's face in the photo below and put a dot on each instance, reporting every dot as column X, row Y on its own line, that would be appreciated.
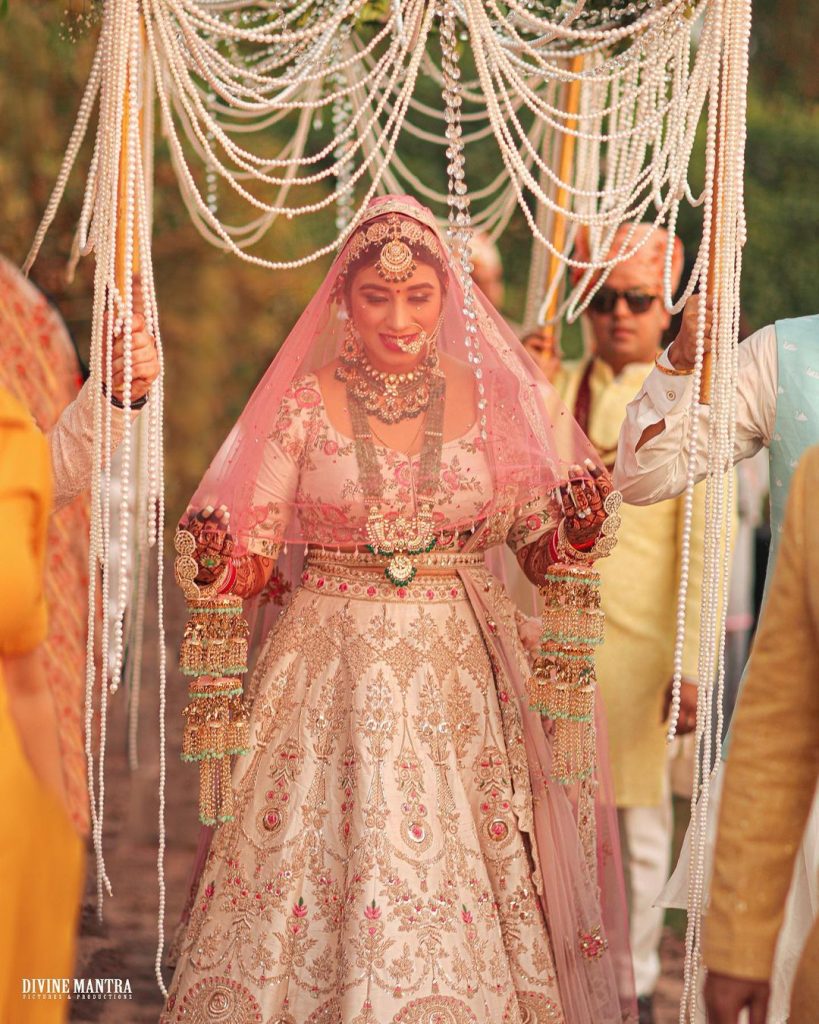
column 385, row 314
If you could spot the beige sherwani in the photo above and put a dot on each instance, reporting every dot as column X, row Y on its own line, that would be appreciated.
column 773, row 766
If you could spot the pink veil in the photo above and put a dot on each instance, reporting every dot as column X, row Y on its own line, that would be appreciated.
column 531, row 436
column 531, row 441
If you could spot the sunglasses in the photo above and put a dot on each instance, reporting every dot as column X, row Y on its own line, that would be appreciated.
column 606, row 299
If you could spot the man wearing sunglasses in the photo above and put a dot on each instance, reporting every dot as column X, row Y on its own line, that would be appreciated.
column 627, row 320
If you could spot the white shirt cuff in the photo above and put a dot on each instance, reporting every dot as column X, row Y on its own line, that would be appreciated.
column 668, row 393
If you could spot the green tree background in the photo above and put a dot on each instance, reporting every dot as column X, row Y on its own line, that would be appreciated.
column 223, row 320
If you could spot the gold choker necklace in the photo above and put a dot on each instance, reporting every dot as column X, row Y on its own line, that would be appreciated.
column 390, row 397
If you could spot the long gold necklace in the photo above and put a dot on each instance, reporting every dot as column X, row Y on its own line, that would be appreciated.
column 390, row 397
column 399, row 538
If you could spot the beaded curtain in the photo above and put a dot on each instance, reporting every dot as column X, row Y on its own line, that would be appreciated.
column 629, row 83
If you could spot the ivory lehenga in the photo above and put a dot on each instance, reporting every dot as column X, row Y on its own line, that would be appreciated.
column 380, row 865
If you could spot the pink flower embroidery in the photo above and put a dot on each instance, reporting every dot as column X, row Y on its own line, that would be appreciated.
column 466, row 916
column 284, row 423
column 276, row 589
column 334, row 514
column 300, row 908
column 592, row 944
column 307, row 398
column 372, row 912
column 330, row 448
column 498, row 829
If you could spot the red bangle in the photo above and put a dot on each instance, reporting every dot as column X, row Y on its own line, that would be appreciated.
column 553, row 553
column 587, row 545
column 230, row 579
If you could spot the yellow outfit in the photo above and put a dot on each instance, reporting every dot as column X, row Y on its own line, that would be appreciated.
column 41, row 855
column 773, row 766
column 639, row 598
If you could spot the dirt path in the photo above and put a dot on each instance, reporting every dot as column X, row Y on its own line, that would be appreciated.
column 123, row 945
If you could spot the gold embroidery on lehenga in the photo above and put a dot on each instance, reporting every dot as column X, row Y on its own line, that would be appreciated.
column 495, row 807
column 435, row 1010
column 328, row 1013
column 415, row 829
column 218, row 1001
column 364, row 719
column 535, row 1008
column 283, row 771
column 346, row 783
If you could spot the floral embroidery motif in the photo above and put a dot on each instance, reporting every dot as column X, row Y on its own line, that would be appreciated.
column 593, row 944
column 276, row 590
column 346, row 783
column 435, row 1010
column 218, row 1000
column 495, row 806
column 409, row 775
column 329, row 1013
column 284, row 769
column 534, row 1008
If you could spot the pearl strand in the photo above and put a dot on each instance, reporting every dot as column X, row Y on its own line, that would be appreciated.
column 623, row 108
column 111, row 104
column 78, row 134
column 459, row 230
column 732, row 102
column 133, row 160
column 154, row 512
column 236, row 78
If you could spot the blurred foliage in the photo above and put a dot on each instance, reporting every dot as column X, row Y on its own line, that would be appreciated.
column 223, row 319
column 782, row 209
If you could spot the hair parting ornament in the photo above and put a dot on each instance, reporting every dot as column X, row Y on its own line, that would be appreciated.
column 396, row 240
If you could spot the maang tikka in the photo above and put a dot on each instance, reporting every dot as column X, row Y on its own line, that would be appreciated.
column 396, row 262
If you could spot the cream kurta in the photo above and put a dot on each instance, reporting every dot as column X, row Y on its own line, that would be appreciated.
column 639, row 597
column 382, row 865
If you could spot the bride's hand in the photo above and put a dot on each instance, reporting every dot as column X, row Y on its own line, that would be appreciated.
column 214, row 544
column 582, row 499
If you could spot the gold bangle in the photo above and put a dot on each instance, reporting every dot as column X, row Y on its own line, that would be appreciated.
column 670, row 371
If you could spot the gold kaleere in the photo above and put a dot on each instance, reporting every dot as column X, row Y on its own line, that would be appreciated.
column 214, row 652
column 562, row 685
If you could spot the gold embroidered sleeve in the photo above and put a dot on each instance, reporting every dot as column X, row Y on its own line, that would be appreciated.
column 529, row 536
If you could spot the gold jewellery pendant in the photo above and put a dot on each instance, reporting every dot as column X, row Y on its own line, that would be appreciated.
column 399, row 540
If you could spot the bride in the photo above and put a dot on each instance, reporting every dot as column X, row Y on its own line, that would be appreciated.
column 394, row 844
